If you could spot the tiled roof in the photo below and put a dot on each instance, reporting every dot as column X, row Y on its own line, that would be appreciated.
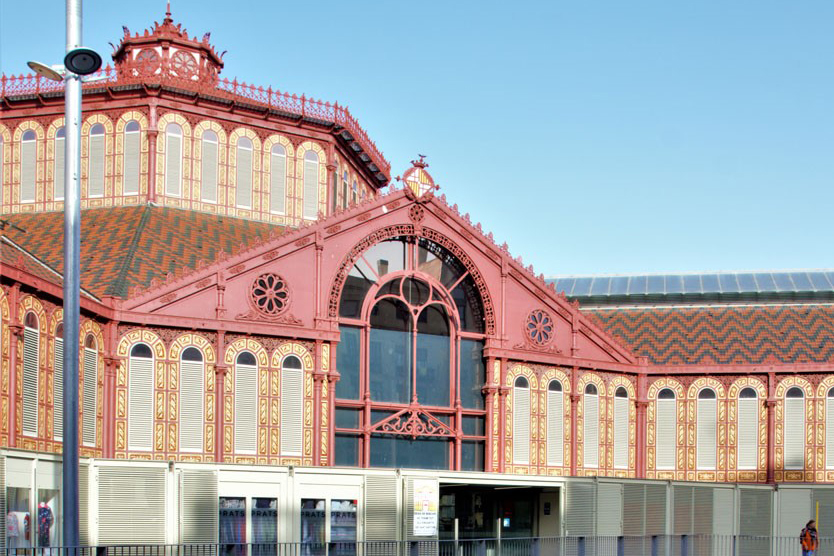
column 124, row 247
column 724, row 334
column 13, row 255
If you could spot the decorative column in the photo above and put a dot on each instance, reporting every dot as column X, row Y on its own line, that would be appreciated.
column 220, row 371
column 15, row 337
column 502, row 416
column 770, row 405
column 332, row 378
column 108, row 423
column 640, row 440
column 152, row 136
column 489, row 391
column 318, row 378
column 574, row 405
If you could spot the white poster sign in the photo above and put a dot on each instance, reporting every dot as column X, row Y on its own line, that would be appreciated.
column 426, row 499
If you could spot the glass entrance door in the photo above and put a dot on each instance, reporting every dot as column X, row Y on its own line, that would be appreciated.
column 248, row 522
column 329, row 525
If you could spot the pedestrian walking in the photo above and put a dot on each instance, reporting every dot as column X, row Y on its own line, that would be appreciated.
column 808, row 539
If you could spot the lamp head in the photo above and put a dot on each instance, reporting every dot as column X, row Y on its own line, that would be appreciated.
column 45, row 71
column 82, row 61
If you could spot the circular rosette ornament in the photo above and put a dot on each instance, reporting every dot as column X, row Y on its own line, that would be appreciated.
column 539, row 328
column 270, row 294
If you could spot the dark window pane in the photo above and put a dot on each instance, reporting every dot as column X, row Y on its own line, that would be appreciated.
column 747, row 283
column 246, row 358
column 600, row 285
column 416, row 292
column 353, row 295
column 378, row 415
column 433, row 356
column 819, row 281
column 565, row 285
column 347, row 358
column 674, row 284
column 386, row 256
column 747, row 393
column 706, row 394
column 783, row 281
column 472, row 374
column 390, row 361
column 666, row 394
column 582, row 286
column 728, row 283
column 637, row 285
column 801, row 281
column 422, row 453
column 390, row 288
column 473, row 426
column 348, row 418
column 192, row 354
column 765, row 282
column 347, row 450
column 143, row 350
column 692, row 283
column 619, row 285
column 472, row 455
column 437, row 262
column 710, row 283
column 657, row 284
column 468, row 302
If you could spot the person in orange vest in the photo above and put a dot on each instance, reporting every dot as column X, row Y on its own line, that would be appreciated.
column 808, row 539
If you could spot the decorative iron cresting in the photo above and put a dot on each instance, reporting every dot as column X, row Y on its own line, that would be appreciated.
column 413, row 422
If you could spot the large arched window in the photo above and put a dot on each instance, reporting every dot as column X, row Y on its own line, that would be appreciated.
column 621, row 407
column 140, row 399
column 591, row 427
column 90, row 378
column 278, row 180
column 192, row 378
column 28, row 166
column 173, row 160
column 58, row 170
column 748, row 428
column 521, row 421
column 209, row 149
column 794, row 429
column 31, row 357
column 243, row 174
column 412, row 336
column 246, row 403
column 95, row 172
column 665, row 423
column 58, row 384
column 829, row 429
column 292, row 405
column 131, row 161
column 707, row 419
column 555, row 424
column 310, row 201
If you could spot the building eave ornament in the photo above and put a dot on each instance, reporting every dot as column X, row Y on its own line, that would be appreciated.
column 419, row 185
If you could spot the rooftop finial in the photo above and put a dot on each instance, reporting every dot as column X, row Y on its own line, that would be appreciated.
column 168, row 12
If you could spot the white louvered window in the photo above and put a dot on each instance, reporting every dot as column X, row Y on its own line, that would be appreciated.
column 665, row 424
column 243, row 174
column 192, row 377
column 344, row 189
column 246, row 404
column 140, row 399
column 173, row 160
column 555, row 424
column 521, row 421
column 95, row 187
column 31, row 353
column 28, row 166
column 591, row 427
column 353, row 192
column 621, row 428
column 748, row 429
column 311, row 185
column 133, row 149
column 794, row 429
column 278, row 180
column 208, row 167
column 90, row 392
column 58, row 170
column 707, row 419
column 58, row 384
column 292, row 404
column 829, row 429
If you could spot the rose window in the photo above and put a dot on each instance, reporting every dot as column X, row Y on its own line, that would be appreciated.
column 183, row 64
column 147, row 61
column 539, row 327
column 270, row 294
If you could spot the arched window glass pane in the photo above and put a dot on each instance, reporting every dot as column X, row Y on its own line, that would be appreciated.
column 140, row 399
column 831, row 393
column 246, row 358
column 591, row 390
column 433, row 357
column 472, row 373
column 390, row 352
column 90, row 342
column 347, row 388
column 131, row 161
column 95, row 174
column 31, row 321
column 794, row 393
column 666, row 394
column 132, row 126
column 28, row 166
column 747, row 393
column 59, row 331
column 29, row 135
column 209, row 149
column 291, row 362
column 521, row 382
column 173, row 160
column 61, row 133
column 706, row 394
column 97, row 129
column 292, row 406
column 141, row 350
column 192, row 354
column 377, row 261
column 555, row 386
column 58, row 169
column 278, row 180
column 243, row 188
column 621, row 393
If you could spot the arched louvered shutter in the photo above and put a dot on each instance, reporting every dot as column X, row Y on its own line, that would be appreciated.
column 173, row 160
column 133, row 148
column 555, row 424
column 278, row 180
column 31, row 352
column 88, row 407
column 311, row 185
column 748, row 429
column 58, row 171
column 707, row 419
column 621, row 429
column 591, row 427
column 829, row 430
column 95, row 173
column 192, row 377
column 58, row 391
column 292, row 404
column 244, row 173
column 28, row 166
column 666, row 437
column 794, row 429
column 246, row 404
column 140, row 399
column 208, row 167
column 521, row 421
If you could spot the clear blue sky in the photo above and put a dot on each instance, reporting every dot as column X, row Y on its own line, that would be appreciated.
column 593, row 137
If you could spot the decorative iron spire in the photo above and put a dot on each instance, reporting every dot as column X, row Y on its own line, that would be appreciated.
column 168, row 13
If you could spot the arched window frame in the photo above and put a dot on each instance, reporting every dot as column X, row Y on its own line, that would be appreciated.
column 31, row 371
column 590, row 426
column 666, row 419
column 96, row 156
column 246, row 403
column 794, row 429
column 555, row 423
column 140, row 398
column 58, row 384
column 132, row 158
column 707, row 429
column 59, row 146
column 292, row 405
column 244, row 173
column 622, row 404
column 521, row 421
column 829, row 429
column 747, row 454
column 192, row 393
column 278, row 179
column 90, row 391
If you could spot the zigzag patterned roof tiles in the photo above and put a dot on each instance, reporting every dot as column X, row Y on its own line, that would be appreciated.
column 724, row 334
column 12, row 255
column 124, row 247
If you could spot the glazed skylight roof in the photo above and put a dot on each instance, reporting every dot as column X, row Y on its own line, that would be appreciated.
column 698, row 284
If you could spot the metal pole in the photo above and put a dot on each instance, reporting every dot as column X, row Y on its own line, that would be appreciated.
column 72, row 271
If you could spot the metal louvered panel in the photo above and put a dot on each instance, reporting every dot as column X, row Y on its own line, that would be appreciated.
column 173, row 165
column 707, row 426
column 192, row 374
column 131, row 163
column 381, row 508
column 754, row 511
column 84, row 503
column 95, row 187
column 521, row 425
column 3, row 504
column 31, row 347
column 198, row 507
column 244, row 177
column 829, row 433
column 723, row 511
column 88, row 408
column 579, row 508
column 278, row 183
column 794, row 506
column 634, row 509
column 666, row 440
column 656, row 509
column 292, row 404
column 794, row 433
column 748, row 433
column 58, row 390
column 555, row 428
column 246, row 408
column 621, row 433
column 311, row 189
column 208, row 172
column 58, row 174
column 610, row 509
column 140, row 404
column 28, row 165
column 131, row 505
column 702, row 505
column 825, row 498
column 682, row 510
column 591, row 429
